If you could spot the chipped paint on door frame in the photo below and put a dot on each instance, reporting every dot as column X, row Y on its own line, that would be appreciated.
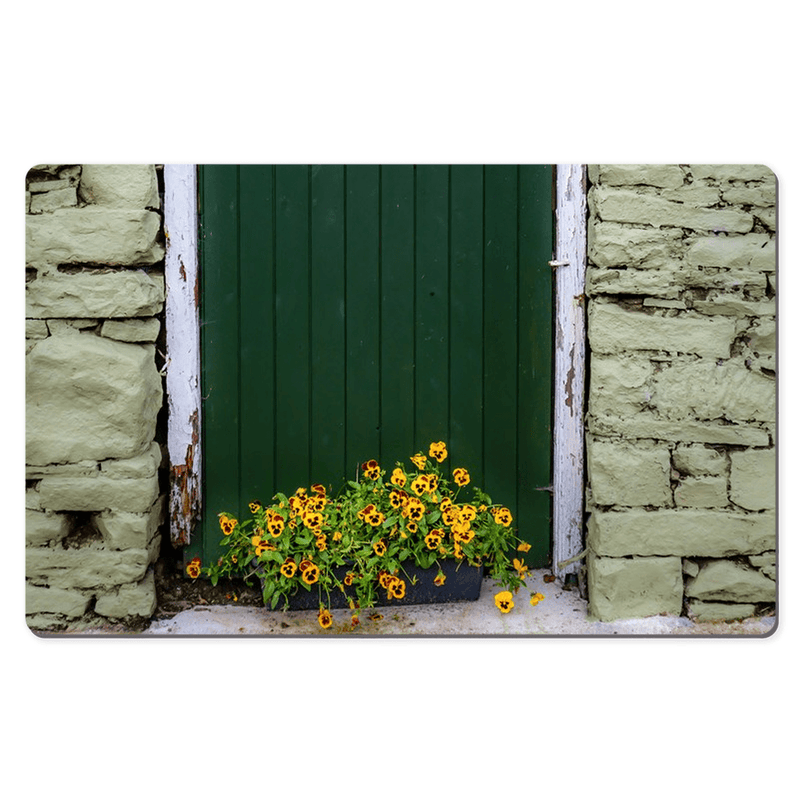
column 183, row 349
column 569, row 367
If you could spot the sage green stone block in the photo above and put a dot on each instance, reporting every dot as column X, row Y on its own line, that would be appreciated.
column 726, row 280
column 36, row 329
column 707, row 491
column 613, row 329
column 32, row 500
column 69, row 327
column 765, row 258
column 128, row 293
column 762, row 560
column 37, row 187
column 123, row 530
column 708, row 390
column 614, row 245
column 57, row 198
column 89, row 398
column 131, row 330
column 763, row 196
column 83, row 468
column 727, row 173
column 120, row 185
column 47, row 600
column 719, row 612
column 132, row 600
column 662, row 175
column 655, row 302
column 733, row 251
column 42, row 528
column 753, row 479
column 731, row 305
column 761, row 337
column 630, row 281
column 619, row 384
column 144, row 465
column 731, row 582
column 621, row 205
column 693, row 194
column 766, row 563
column 94, row 235
column 647, row 426
column 683, row 532
column 85, row 567
column 695, row 459
column 97, row 494
column 622, row 588
column 623, row 474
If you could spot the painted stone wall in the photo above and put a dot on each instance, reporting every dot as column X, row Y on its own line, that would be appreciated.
column 681, row 416
column 94, row 293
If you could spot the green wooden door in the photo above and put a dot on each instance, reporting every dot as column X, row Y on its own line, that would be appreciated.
column 359, row 312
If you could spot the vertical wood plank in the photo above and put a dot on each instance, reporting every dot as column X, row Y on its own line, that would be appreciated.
column 327, row 326
column 220, row 345
column 292, row 347
column 397, row 314
column 534, row 397
column 362, row 316
column 500, row 334
column 257, row 354
column 569, row 367
column 431, row 303
column 466, row 320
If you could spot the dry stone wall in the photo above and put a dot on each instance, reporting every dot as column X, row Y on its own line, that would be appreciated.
column 681, row 418
column 94, row 484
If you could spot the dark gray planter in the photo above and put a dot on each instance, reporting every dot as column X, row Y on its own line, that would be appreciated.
column 462, row 583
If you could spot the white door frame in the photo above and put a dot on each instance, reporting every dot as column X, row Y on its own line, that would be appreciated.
column 183, row 358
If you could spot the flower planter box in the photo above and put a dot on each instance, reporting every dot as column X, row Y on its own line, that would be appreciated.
column 462, row 583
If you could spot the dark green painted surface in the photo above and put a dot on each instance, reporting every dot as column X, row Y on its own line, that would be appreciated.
column 363, row 312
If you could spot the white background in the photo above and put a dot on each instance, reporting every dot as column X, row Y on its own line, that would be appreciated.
column 307, row 82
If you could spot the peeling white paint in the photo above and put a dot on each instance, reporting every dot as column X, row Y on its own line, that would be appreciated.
column 568, row 444
column 183, row 348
